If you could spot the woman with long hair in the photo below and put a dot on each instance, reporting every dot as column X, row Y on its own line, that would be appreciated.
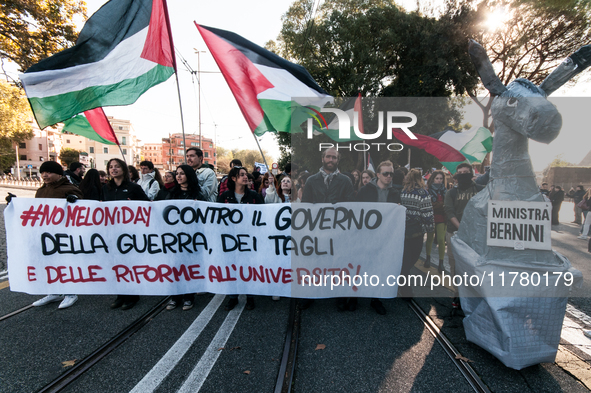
column 437, row 190
column 419, row 220
column 187, row 188
column 134, row 175
column 91, row 185
column 121, row 188
column 357, row 176
column 168, row 183
column 265, row 184
column 239, row 192
column 366, row 177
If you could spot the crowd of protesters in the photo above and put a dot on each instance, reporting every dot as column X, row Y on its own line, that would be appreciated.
column 434, row 202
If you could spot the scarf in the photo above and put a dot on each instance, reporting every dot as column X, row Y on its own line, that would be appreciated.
column 328, row 177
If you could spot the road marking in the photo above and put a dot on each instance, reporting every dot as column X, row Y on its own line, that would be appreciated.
column 4, row 284
column 573, row 333
column 207, row 361
column 156, row 375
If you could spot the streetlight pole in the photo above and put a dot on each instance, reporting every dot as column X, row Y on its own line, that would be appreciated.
column 199, row 89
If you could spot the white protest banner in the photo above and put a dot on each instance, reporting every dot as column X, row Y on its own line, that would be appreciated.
column 519, row 225
column 175, row 247
column 262, row 167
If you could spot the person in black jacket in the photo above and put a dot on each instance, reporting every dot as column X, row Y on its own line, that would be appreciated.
column 187, row 188
column 91, row 186
column 238, row 192
column 120, row 188
column 329, row 185
column 379, row 189
column 556, row 198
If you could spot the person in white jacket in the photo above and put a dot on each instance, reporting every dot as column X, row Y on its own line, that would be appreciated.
column 147, row 180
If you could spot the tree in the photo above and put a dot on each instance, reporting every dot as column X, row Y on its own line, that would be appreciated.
column 31, row 30
column 15, row 123
column 535, row 38
column 374, row 47
column 68, row 156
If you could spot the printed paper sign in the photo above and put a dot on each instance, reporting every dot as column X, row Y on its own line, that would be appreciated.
column 519, row 225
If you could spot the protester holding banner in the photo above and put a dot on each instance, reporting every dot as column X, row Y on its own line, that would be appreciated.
column 380, row 190
column 187, row 188
column 238, row 192
column 56, row 185
column 91, row 186
column 436, row 188
column 419, row 220
column 121, row 188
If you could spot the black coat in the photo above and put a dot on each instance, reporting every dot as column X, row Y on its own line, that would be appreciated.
column 339, row 190
column 369, row 193
column 127, row 190
column 250, row 197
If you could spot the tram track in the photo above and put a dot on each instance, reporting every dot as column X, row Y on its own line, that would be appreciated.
column 465, row 369
column 85, row 364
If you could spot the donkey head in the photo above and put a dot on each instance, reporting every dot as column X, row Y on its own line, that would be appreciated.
column 522, row 106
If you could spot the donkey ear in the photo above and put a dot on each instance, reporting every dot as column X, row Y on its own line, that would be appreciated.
column 573, row 65
column 485, row 69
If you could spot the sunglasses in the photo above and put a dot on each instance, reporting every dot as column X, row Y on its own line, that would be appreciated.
column 387, row 174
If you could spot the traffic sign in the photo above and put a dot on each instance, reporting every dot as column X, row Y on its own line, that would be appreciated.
column 275, row 165
column 30, row 166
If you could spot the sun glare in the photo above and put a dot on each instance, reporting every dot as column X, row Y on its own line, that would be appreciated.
column 496, row 19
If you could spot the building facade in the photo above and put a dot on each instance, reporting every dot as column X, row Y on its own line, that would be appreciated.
column 173, row 152
column 153, row 152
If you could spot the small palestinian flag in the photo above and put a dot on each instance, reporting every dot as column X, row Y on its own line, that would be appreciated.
column 474, row 144
column 263, row 83
column 93, row 124
column 124, row 49
column 447, row 155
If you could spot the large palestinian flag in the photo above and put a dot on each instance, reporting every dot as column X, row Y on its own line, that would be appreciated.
column 124, row 49
column 92, row 124
column 447, row 155
column 263, row 83
column 474, row 144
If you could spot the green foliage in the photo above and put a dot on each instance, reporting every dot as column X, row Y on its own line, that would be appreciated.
column 68, row 156
column 31, row 30
column 376, row 48
column 558, row 161
column 15, row 123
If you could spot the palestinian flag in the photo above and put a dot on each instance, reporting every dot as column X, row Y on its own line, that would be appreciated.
column 93, row 124
column 474, row 144
column 124, row 49
column 447, row 155
column 264, row 84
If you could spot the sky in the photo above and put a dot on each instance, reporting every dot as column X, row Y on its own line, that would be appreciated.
column 157, row 113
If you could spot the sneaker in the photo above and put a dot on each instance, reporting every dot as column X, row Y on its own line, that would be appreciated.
column 231, row 304
column 249, row 303
column 378, row 306
column 68, row 301
column 583, row 237
column 48, row 299
column 276, row 298
column 187, row 305
column 427, row 263
column 171, row 305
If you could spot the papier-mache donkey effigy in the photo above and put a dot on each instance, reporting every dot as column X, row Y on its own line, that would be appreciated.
column 520, row 325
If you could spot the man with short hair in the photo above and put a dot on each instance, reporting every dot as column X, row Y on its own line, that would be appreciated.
column 205, row 175
column 75, row 173
column 379, row 189
column 454, row 204
column 147, row 180
column 329, row 186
